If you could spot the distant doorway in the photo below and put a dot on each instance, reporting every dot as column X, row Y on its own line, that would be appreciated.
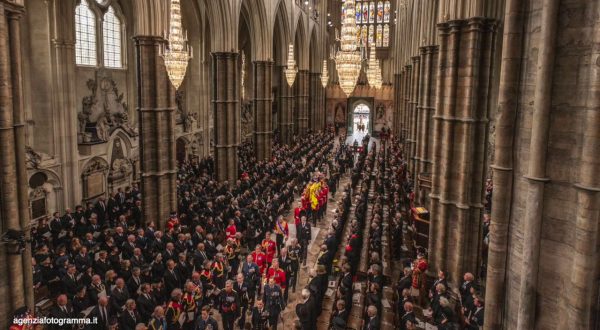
column 361, row 118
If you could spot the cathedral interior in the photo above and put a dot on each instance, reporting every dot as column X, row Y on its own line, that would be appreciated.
column 300, row 164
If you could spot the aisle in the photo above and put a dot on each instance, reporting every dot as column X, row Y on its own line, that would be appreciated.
column 318, row 234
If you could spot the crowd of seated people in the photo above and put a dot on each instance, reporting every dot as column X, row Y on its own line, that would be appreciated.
column 434, row 298
column 215, row 251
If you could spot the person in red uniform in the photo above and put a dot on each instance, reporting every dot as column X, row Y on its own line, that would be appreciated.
column 420, row 265
column 173, row 221
column 298, row 213
column 281, row 232
column 269, row 247
column 231, row 229
column 260, row 259
column 276, row 274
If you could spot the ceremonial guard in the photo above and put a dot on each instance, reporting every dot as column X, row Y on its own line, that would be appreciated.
column 218, row 270
column 191, row 301
column 232, row 257
column 260, row 259
column 174, row 310
column 276, row 274
column 228, row 303
column 206, row 277
column 269, row 247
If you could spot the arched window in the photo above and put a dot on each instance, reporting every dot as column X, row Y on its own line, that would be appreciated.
column 111, row 35
column 85, row 35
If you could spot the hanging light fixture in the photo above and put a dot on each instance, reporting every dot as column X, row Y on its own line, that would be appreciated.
column 291, row 69
column 243, row 75
column 177, row 54
column 348, row 59
column 325, row 74
column 373, row 70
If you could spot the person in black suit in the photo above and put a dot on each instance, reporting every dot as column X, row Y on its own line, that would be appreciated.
column 171, row 278
column 81, row 301
column 97, row 289
column 101, row 211
column 82, row 260
column 102, row 265
column 130, row 317
column 440, row 280
column 134, row 282
column 119, row 296
column 304, row 234
column 61, row 310
column 103, row 314
column 145, row 303
column 306, row 312
column 372, row 323
column 475, row 319
column 340, row 310
column 70, row 282
column 409, row 316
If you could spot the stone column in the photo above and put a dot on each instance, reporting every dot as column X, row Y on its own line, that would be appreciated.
column 315, row 101
column 406, row 108
column 461, row 141
column 286, row 106
column 536, row 172
column 156, row 116
column 412, row 112
column 397, row 104
column 64, row 99
column 20, row 142
column 263, row 110
column 226, row 111
column 424, row 134
column 16, row 277
column 302, row 95
column 503, row 164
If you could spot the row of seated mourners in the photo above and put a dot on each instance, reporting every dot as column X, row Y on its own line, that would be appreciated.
column 421, row 299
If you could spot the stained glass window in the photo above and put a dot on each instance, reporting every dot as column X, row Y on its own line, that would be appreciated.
column 111, row 35
column 363, row 34
column 386, row 35
column 372, row 12
column 379, row 35
column 380, row 12
column 85, row 35
column 365, row 15
column 358, row 12
column 386, row 12
column 371, row 34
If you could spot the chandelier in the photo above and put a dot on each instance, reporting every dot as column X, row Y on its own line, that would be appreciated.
column 291, row 69
column 348, row 59
column 243, row 75
column 324, row 74
column 373, row 70
column 177, row 54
